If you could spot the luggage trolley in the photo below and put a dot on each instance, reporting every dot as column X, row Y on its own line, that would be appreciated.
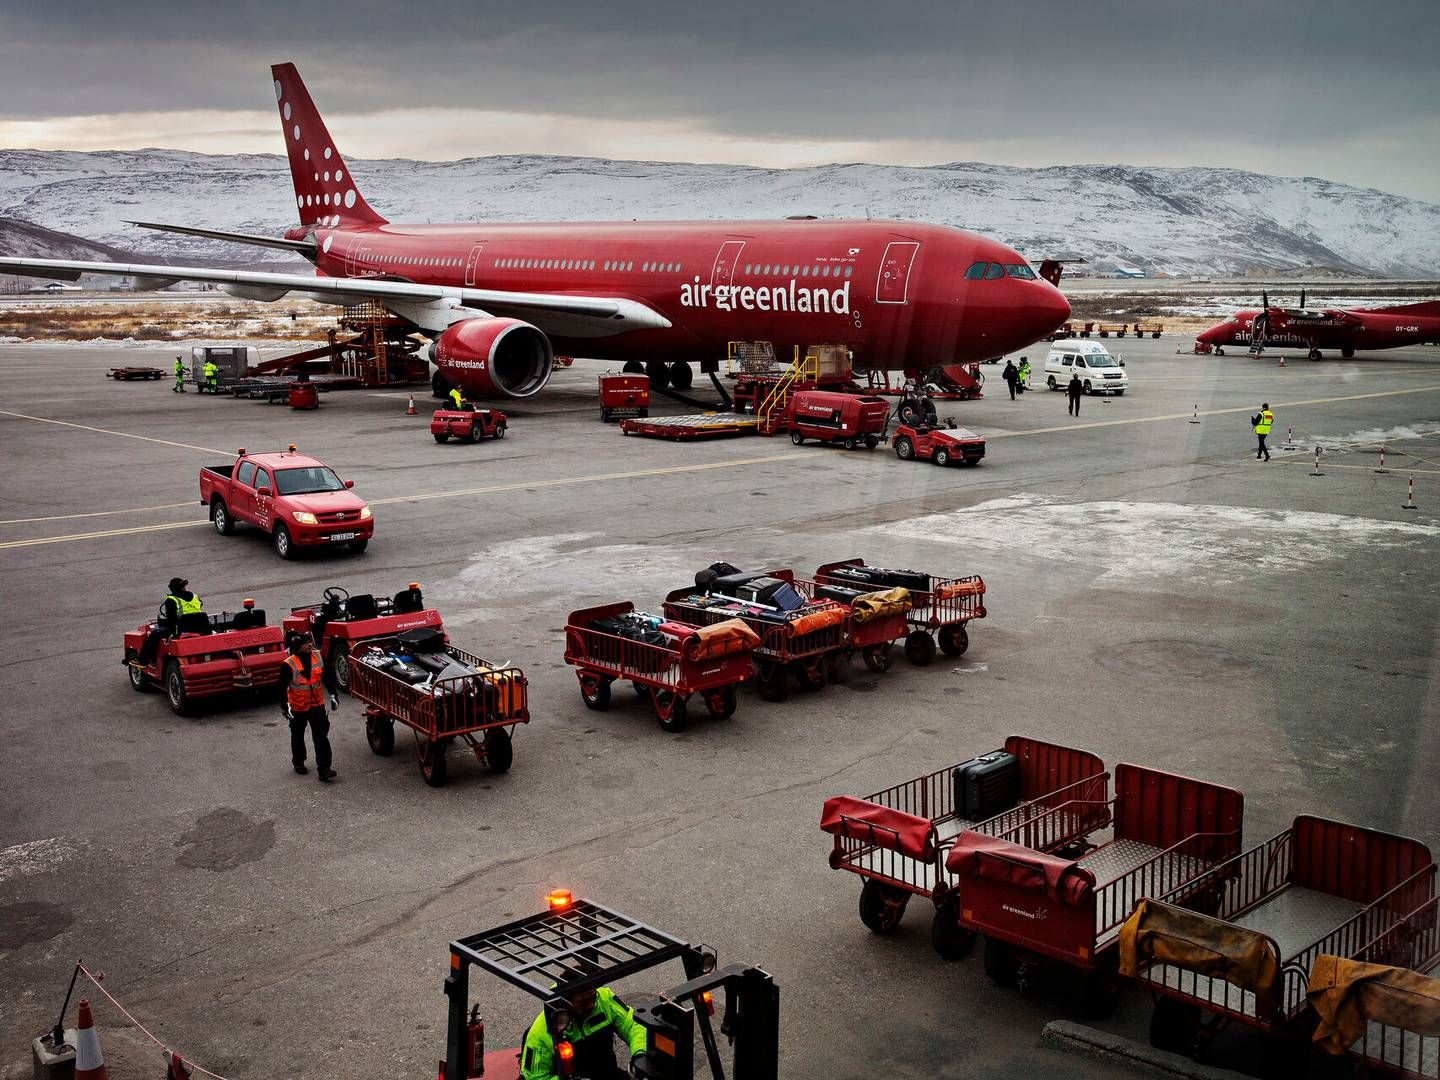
column 800, row 641
column 1034, row 901
column 874, row 620
column 897, row 839
column 467, row 697
column 1238, row 943
column 1398, row 1003
column 940, row 606
column 683, row 660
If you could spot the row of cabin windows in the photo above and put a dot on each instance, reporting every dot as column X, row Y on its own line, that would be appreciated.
column 585, row 264
column 409, row 260
column 991, row 271
column 790, row 270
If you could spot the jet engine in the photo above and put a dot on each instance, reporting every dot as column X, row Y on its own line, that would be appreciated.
column 494, row 357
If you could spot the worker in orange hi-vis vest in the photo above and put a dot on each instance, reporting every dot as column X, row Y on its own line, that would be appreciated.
column 307, row 683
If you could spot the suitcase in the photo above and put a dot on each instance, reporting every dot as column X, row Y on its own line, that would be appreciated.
column 425, row 639
column 703, row 578
column 841, row 594
column 986, row 785
column 880, row 577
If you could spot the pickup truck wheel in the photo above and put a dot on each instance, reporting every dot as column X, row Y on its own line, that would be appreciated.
column 357, row 546
column 175, row 692
column 904, row 448
column 340, row 666
column 224, row 525
column 284, row 546
column 138, row 682
column 499, row 750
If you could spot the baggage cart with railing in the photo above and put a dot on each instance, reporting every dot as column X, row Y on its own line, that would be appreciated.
column 479, row 706
column 796, row 642
column 942, row 607
column 897, row 839
column 870, row 628
column 668, row 674
column 1236, row 945
column 1036, row 902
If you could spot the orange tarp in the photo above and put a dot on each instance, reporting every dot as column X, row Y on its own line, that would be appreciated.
column 1159, row 933
column 969, row 587
column 720, row 639
column 818, row 620
column 1347, row 995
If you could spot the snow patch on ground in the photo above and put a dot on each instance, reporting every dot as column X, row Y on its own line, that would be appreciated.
column 34, row 857
column 1376, row 437
column 1140, row 541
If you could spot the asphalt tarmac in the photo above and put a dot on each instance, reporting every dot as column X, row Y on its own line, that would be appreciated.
column 1156, row 595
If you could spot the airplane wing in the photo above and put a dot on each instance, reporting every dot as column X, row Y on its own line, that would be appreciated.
column 590, row 316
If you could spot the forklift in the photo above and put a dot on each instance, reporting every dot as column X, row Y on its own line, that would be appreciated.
column 577, row 945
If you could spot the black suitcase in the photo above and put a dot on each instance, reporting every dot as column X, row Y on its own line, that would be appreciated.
column 878, row 577
column 703, row 578
column 986, row 785
column 841, row 594
column 424, row 639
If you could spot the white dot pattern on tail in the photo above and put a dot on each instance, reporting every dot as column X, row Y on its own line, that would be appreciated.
column 350, row 197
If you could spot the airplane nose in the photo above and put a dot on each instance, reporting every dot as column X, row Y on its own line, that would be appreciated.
column 1049, row 311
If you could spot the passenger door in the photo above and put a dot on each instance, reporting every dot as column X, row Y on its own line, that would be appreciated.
column 264, row 504
column 892, row 282
column 723, row 272
column 242, row 493
column 471, row 263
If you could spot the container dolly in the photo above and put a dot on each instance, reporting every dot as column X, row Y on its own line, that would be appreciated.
column 943, row 609
column 1036, row 903
column 577, row 945
column 897, row 839
column 1237, row 944
column 668, row 675
column 480, row 707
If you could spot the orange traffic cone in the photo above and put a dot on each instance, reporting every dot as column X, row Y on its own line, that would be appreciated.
column 411, row 410
column 1282, row 361
column 89, row 1064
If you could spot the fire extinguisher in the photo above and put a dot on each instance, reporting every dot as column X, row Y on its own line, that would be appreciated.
column 475, row 1042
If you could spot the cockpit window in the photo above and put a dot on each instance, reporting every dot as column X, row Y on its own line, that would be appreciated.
column 976, row 271
column 1020, row 270
column 995, row 270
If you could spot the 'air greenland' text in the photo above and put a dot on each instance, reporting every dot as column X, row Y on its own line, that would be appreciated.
column 791, row 297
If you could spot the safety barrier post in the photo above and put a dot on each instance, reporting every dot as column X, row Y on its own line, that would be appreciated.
column 1289, row 440
column 1316, row 471
column 1382, row 459
column 1195, row 415
column 1409, row 503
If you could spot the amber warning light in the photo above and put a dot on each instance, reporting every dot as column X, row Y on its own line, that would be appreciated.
column 565, row 1052
column 559, row 899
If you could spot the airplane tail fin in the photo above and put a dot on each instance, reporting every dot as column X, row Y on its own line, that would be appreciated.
column 1429, row 309
column 325, row 192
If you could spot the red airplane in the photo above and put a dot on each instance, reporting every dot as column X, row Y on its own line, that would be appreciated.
column 1336, row 329
column 501, row 300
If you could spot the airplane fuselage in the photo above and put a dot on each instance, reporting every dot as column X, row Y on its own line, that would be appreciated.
column 895, row 293
column 1343, row 331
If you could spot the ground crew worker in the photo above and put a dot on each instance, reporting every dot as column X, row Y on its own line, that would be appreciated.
column 210, row 373
column 1073, row 389
column 596, row 1017
column 1011, row 375
column 1264, row 420
column 178, row 601
column 458, row 401
column 305, row 681
column 179, row 387
column 1024, row 374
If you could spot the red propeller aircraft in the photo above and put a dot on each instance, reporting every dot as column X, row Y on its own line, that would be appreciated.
column 1334, row 329
column 500, row 300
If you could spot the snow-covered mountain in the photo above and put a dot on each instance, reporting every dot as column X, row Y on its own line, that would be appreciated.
column 1174, row 220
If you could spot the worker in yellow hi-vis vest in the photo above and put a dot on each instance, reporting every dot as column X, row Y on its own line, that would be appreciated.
column 1264, row 420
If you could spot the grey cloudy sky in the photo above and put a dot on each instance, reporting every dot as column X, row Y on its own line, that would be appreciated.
column 1348, row 91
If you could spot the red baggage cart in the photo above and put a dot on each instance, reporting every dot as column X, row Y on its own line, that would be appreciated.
column 1034, row 902
column 869, row 631
column 801, row 642
column 1236, row 944
column 1401, row 1032
column 897, row 839
column 692, row 662
column 943, row 609
column 479, row 707
column 342, row 621
column 624, row 395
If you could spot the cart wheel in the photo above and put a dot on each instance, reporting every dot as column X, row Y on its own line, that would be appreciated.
column 441, row 437
column 942, row 457
column 919, row 648
column 1002, row 963
column 951, row 940
column 499, row 431
column 772, row 681
column 476, row 434
column 641, row 691
column 380, row 734
column 175, row 691
column 499, row 750
column 340, row 666
column 877, row 657
column 431, row 754
column 849, row 444
column 1173, row 1025
column 872, row 441
column 796, row 438
column 811, row 674
column 837, row 668
column 721, row 703
column 882, row 907
column 138, row 682
column 954, row 640
column 669, row 709
column 596, row 692
column 904, row 448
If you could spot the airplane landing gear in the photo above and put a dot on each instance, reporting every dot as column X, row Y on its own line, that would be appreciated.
column 1314, row 354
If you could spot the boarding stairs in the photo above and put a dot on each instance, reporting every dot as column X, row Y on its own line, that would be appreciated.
column 802, row 374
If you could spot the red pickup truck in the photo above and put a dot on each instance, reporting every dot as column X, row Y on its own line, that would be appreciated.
column 297, row 500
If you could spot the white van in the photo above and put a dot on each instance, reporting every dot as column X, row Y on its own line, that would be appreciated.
column 1098, row 370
